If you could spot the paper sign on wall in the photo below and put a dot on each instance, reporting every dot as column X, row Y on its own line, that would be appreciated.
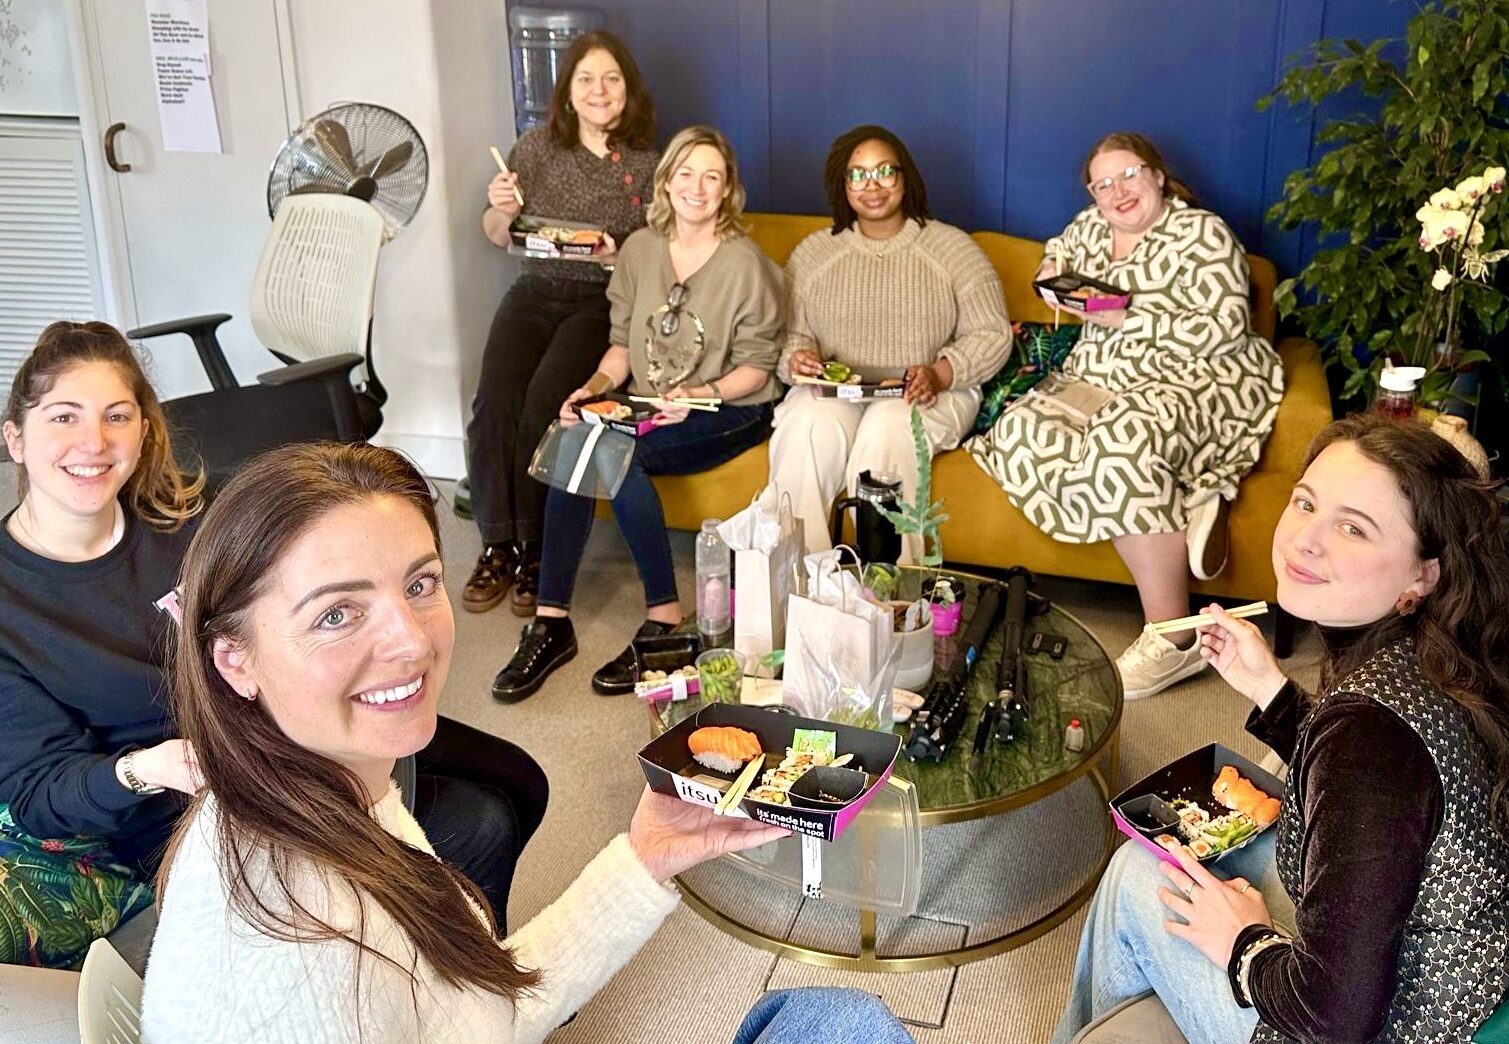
column 180, row 35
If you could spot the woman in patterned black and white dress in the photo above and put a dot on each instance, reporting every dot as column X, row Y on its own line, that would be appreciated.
column 1194, row 393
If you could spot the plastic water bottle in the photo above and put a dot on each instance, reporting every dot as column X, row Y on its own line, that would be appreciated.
column 714, row 620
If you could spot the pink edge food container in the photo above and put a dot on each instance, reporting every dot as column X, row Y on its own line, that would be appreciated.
column 1056, row 291
column 642, row 422
column 1191, row 777
column 669, row 768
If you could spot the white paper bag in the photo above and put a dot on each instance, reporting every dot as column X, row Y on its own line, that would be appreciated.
column 767, row 541
column 849, row 645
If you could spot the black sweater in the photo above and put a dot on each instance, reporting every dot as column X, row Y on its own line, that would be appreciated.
column 1373, row 807
column 82, row 648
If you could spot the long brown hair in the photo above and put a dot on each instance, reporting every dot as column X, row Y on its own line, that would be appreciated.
column 662, row 217
column 836, row 176
column 1460, row 628
column 157, row 491
column 282, row 806
column 636, row 124
column 1141, row 147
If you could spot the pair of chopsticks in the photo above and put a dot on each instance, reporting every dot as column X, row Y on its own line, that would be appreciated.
column 705, row 405
column 729, row 804
column 1201, row 619
column 498, row 159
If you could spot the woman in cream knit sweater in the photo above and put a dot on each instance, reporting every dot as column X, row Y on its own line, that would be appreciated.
column 301, row 900
column 892, row 293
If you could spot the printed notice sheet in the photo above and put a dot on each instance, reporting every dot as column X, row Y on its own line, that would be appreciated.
column 180, row 34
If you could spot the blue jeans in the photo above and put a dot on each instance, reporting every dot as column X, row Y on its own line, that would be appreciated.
column 702, row 441
column 820, row 1015
column 1126, row 952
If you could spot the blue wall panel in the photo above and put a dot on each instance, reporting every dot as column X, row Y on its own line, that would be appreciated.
column 999, row 99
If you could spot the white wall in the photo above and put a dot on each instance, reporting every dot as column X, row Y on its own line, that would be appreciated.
column 444, row 65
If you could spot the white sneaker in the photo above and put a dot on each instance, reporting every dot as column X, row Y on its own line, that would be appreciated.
column 1207, row 536
column 1152, row 663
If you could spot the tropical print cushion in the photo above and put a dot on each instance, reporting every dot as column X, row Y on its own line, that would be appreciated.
column 1036, row 349
column 58, row 896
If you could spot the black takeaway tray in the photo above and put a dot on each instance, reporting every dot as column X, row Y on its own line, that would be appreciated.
column 1081, row 293
column 634, row 418
column 1141, row 810
column 670, row 769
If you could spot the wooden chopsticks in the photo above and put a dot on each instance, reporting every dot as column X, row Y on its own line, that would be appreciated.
column 1201, row 619
column 705, row 405
column 502, row 166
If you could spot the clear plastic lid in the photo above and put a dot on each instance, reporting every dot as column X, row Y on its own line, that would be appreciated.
column 876, row 863
column 589, row 460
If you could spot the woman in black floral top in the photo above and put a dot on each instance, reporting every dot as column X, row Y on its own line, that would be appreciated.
column 592, row 162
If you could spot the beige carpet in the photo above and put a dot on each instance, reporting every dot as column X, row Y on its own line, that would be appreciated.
column 692, row 984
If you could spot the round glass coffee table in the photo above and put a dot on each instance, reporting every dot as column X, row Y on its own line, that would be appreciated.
column 1012, row 845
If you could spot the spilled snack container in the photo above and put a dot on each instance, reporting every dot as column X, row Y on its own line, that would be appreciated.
column 1170, row 803
column 1080, row 293
column 670, row 767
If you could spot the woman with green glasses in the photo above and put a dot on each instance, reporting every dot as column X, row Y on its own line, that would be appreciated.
column 887, row 292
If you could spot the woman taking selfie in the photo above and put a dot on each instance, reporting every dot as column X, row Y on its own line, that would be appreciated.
column 92, row 774
column 1391, row 844
column 592, row 163
column 300, row 901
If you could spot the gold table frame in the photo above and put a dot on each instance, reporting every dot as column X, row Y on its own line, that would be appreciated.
column 1100, row 764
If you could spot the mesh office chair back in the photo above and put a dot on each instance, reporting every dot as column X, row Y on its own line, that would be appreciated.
column 312, row 292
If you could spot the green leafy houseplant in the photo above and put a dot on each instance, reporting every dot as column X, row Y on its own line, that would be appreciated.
column 920, row 517
column 1366, row 295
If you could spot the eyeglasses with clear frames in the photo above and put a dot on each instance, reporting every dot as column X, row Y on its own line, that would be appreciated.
column 1103, row 187
column 883, row 174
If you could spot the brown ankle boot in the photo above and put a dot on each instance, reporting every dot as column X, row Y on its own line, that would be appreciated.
column 490, row 578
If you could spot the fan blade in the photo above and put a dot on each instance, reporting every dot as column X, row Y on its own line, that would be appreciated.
column 392, row 160
column 316, row 186
column 336, row 145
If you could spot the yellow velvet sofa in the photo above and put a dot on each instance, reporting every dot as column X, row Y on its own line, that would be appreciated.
column 984, row 528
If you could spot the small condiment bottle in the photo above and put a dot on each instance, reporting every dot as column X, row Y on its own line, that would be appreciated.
column 1074, row 736
column 1396, row 391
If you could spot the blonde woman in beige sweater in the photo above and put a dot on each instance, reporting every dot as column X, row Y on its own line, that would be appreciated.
column 893, row 293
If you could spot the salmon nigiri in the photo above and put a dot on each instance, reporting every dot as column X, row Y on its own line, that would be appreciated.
column 723, row 747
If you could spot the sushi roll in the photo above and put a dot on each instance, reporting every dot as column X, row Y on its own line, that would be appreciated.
column 770, row 795
column 1200, row 847
column 1168, row 841
column 723, row 748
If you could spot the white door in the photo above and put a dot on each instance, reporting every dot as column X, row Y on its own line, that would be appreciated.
column 189, row 226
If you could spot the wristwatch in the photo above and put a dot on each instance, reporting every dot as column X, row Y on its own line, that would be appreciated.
column 128, row 770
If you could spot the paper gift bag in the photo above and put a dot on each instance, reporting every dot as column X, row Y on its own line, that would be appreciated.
column 840, row 650
column 767, row 541
column 764, row 581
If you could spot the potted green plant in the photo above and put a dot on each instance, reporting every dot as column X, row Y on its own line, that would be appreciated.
column 1372, row 292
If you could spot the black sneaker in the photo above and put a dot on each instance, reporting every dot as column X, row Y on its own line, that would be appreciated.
column 616, row 677
column 544, row 645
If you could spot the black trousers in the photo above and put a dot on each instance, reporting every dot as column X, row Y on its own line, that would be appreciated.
column 479, row 799
column 546, row 339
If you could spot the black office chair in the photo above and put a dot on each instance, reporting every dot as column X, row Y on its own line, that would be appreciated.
column 312, row 308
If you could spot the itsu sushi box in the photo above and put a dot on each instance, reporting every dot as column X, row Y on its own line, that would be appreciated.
column 616, row 411
column 1179, row 803
column 1081, row 293
column 670, row 768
